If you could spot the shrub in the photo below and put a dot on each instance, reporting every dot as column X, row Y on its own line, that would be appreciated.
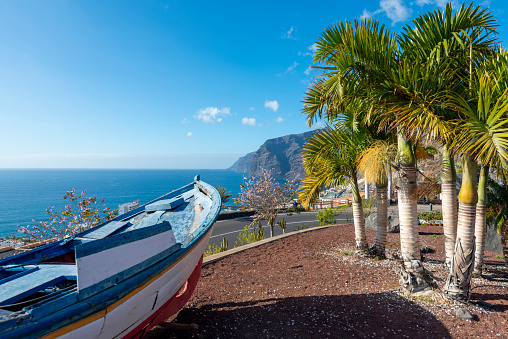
column 251, row 233
column 302, row 227
column 327, row 216
column 369, row 206
column 431, row 215
column 214, row 249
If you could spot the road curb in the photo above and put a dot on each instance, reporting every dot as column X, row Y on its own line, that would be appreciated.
column 219, row 256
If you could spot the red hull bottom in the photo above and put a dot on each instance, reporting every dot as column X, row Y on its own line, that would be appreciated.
column 171, row 307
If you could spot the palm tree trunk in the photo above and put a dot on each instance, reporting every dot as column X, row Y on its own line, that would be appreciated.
column 504, row 240
column 458, row 284
column 366, row 184
column 378, row 249
column 480, row 227
column 359, row 219
column 449, row 204
column 390, row 191
column 413, row 276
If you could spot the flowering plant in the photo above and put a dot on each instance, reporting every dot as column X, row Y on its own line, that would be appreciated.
column 79, row 214
column 266, row 196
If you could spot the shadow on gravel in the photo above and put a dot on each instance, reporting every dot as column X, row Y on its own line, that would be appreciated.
column 379, row 315
column 490, row 298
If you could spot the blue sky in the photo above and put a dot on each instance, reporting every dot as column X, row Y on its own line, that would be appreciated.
column 163, row 84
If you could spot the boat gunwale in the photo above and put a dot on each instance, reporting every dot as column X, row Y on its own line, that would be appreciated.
column 118, row 294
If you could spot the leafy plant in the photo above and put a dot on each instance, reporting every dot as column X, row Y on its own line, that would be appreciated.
column 431, row 215
column 214, row 249
column 369, row 206
column 224, row 196
column 282, row 225
column 79, row 214
column 327, row 216
column 302, row 227
column 251, row 233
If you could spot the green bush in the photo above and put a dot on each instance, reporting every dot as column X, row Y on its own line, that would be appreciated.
column 302, row 227
column 251, row 233
column 432, row 215
column 327, row 216
column 214, row 249
column 369, row 206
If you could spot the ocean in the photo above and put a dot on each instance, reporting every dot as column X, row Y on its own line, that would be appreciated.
column 25, row 194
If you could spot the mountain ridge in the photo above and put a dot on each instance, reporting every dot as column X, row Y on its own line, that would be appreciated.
column 282, row 155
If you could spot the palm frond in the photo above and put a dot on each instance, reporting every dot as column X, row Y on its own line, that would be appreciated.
column 375, row 159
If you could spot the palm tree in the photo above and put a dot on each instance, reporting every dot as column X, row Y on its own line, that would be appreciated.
column 225, row 196
column 360, row 61
column 480, row 227
column 329, row 159
column 374, row 161
column 498, row 199
column 445, row 46
column 405, row 83
column 449, row 203
column 482, row 137
column 497, row 67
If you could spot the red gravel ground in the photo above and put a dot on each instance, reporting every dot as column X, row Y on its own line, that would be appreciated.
column 311, row 286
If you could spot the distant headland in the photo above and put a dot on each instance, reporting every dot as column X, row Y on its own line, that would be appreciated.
column 282, row 155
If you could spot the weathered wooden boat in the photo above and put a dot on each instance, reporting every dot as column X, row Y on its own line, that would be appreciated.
column 118, row 279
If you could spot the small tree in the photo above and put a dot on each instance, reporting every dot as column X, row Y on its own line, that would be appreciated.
column 224, row 196
column 265, row 196
column 81, row 213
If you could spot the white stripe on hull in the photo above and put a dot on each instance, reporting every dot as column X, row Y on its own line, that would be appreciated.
column 124, row 318
column 102, row 265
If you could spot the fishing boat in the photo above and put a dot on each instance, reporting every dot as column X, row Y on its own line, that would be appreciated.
column 116, row 280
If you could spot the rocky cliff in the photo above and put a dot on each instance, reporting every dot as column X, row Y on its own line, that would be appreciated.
column 283, row 156
column 242, row 165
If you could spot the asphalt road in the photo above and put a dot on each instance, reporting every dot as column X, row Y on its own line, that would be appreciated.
column 230, row 229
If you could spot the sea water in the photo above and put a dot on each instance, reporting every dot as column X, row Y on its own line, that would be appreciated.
column 25, row 194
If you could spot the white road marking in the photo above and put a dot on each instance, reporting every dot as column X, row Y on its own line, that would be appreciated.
column 311, row 212
column 266, row 226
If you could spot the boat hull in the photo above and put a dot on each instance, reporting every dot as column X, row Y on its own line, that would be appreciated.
column 140, row 310
column 116, row 280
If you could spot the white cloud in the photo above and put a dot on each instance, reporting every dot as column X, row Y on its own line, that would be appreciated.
column 185, row 121
column 249, row 121
column 292, row 67
column 251, row 108
column 311, row 50
column 395, row 10
column 439, row 3
column 279, row 119
column 366, row 14
column 189, row 134
column 289, row 33
column 308, row 70
column 273, row 105
column 319, row 124
column 212, row 114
